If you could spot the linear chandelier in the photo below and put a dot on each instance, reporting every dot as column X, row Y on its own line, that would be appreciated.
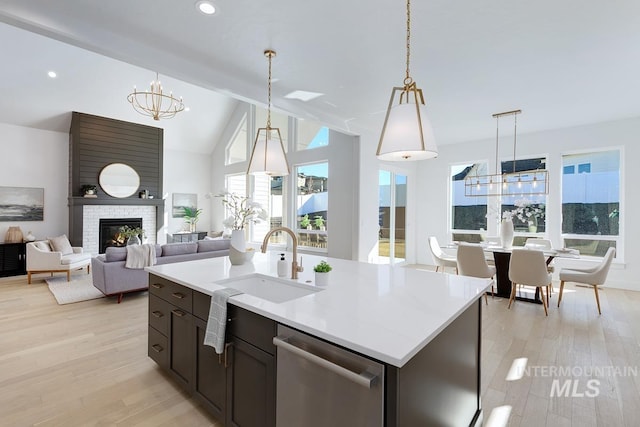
column 515, row 183
column 407, row 133
column 155, row 103
column 268, row 156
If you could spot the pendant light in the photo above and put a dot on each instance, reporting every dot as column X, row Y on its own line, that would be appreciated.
column 516, row 183
column 407, row 133
column 267, row 156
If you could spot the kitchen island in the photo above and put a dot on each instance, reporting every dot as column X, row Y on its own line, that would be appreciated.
column 422, row 328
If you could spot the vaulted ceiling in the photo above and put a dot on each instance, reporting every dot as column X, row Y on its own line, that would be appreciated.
column 564, row 63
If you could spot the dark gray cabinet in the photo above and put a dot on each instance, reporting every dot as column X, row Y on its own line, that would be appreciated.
column 13, row 259
column 251, row 381
column 237, row 387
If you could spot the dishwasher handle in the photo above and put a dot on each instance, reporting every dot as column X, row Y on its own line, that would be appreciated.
column 364, row 379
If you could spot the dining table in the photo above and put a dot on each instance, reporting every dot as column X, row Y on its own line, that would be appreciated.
column 502, row 258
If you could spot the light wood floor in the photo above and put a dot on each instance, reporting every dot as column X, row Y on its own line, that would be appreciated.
column 86, row 363
column 82, row 364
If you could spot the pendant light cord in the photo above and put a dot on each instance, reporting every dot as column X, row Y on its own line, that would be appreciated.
column 497, row 135
column 515, row 133
column 408, row 80
column 269, row 55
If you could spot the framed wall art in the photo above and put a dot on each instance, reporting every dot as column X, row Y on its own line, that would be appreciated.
column 21, row 204
column 181, row 201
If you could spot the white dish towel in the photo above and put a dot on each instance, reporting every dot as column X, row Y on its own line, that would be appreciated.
column 217, row 322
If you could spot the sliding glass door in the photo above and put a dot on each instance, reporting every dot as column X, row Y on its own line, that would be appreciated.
column 392, row 192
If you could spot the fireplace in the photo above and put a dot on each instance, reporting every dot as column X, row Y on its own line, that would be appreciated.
column 110, row 231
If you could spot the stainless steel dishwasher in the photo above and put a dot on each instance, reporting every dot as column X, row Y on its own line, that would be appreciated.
column 320, row 384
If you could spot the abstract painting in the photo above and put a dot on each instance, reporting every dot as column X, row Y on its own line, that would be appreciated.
column 21, row 204
column 181, row 201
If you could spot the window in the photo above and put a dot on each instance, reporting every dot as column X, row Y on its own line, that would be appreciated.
column 270, row 192
column 591, row 202
column 311, row 135
column 312, row 204
column 468, row 214
column 584, row 168
column 566, row 170
column 529, row 209
column 237, row 148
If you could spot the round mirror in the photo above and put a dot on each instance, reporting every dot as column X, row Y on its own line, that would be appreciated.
column 119, row 180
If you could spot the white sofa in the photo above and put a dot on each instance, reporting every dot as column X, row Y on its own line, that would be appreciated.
column 41, row 258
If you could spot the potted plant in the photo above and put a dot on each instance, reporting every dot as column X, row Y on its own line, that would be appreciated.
column 305, row 222
column 322, row 273
column 132, row 235
column 191, row 217
column 89, row 190
column 319, row 222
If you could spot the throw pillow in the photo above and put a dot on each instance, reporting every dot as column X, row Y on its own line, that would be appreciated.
column 61, row 244
column 43, row 246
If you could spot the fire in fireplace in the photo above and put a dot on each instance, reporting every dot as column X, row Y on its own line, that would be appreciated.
column 110, row 231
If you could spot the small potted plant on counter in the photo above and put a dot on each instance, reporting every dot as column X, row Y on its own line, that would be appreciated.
column 305, row 222
column 322, row 273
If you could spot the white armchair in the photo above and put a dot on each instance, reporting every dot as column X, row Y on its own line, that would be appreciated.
column 42, row 259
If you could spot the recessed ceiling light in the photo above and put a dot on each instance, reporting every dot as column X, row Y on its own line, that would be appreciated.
column 303, row 95
column 52, row 74
column 206, row 7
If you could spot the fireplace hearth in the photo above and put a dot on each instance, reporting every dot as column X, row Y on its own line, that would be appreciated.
column 110, row 231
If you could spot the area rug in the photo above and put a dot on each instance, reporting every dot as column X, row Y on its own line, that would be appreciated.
column 80, row 288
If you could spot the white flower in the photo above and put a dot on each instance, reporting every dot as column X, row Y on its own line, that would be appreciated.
column 242, row 210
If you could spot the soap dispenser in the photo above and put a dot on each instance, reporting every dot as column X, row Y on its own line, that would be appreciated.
column 283, row 266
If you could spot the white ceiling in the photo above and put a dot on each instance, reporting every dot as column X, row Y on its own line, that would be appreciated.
column 564, row 63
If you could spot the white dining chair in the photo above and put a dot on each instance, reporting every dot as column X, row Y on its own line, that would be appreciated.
column 543, row 245
column 595, row 276
column 529, row 268
column 439, row 257
column 471, row 262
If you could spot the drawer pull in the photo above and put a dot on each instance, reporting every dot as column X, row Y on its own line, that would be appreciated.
column 178, row 313
column 178, row 295
column 157, row 348
column 157, row 286
column 157, row 314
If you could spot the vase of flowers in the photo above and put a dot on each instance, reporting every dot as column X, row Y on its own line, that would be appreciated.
column 132, row 235
column 529, row 213
column 242, row 211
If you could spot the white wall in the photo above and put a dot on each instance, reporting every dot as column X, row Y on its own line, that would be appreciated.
column 186, row 173
column 40, row 159
column 432, row 208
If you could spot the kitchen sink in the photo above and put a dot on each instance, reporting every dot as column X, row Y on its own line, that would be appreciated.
column 269, row 288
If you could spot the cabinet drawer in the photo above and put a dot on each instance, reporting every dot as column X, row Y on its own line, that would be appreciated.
column 201, row 305
column 159, row 314
column 176, row 294
column 158, row 348
column 252, row 328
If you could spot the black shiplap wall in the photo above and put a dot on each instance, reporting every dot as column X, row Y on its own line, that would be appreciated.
column 95, row 142
column 99, row 141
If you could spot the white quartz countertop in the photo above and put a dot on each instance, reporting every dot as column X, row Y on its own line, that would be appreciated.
column 387, row 313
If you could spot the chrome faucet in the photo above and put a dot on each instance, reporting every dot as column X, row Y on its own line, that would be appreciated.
column 295, row 268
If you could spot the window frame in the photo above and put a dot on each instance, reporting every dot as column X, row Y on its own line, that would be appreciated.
column 620, row 238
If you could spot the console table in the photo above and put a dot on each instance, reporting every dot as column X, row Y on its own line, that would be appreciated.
column 187, row 237
column 13, row 259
